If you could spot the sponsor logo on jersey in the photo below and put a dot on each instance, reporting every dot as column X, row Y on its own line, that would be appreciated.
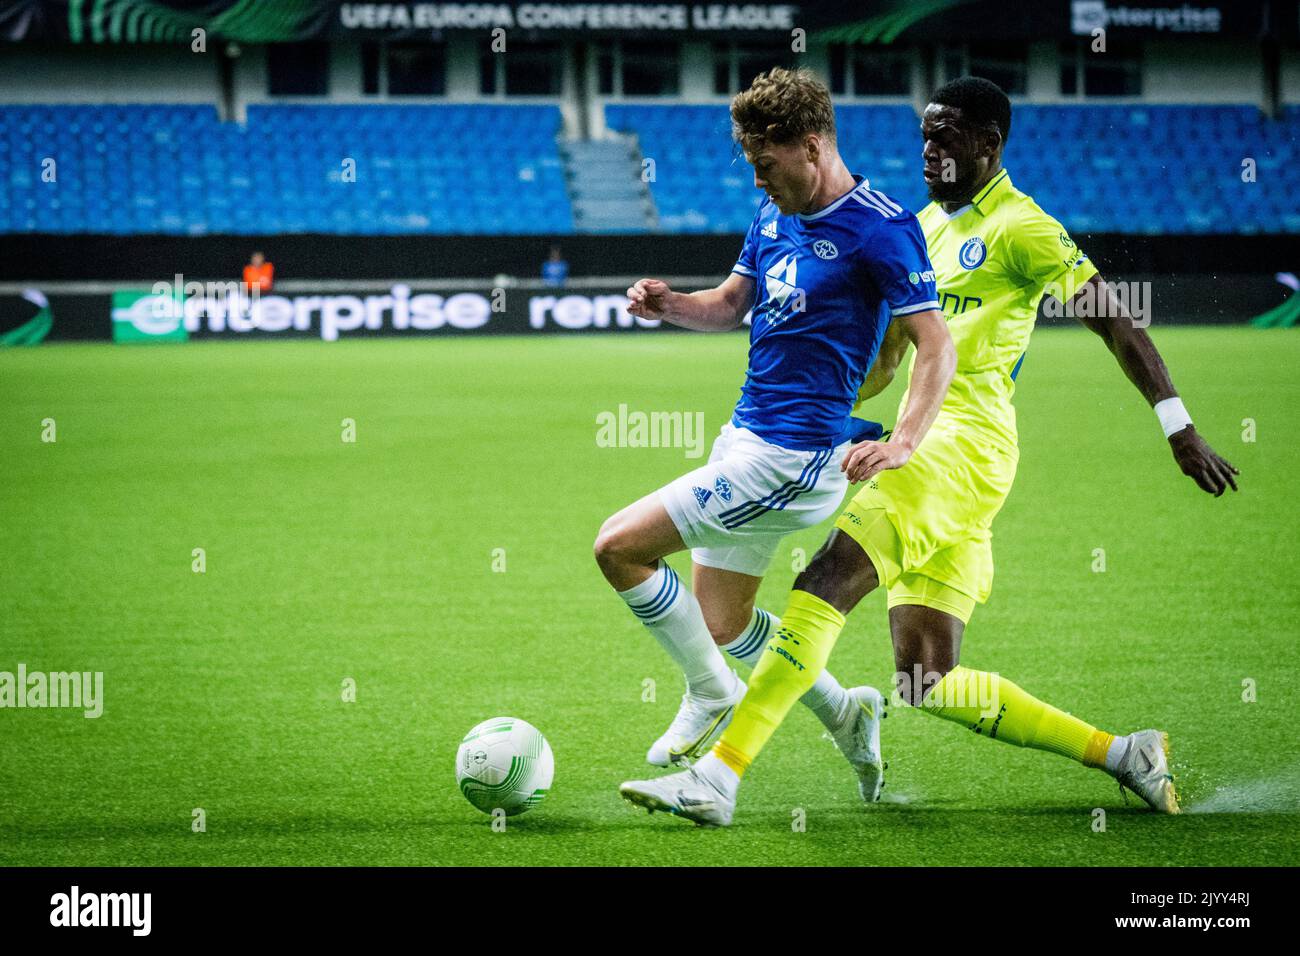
column 702, row 495
column 916, row 278
column 825, row 249
column 723, row 487
column 973, row 253
column 769, row 230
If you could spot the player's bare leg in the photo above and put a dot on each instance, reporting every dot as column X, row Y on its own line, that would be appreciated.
column 840, row 573
column 927, row 650
column 727, row 600
column 927, row 645
column 629, row 549
column 632, row 541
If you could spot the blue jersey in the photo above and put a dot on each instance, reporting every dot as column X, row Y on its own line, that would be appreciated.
column 827, row 285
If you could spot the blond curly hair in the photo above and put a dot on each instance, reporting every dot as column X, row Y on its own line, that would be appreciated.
column 781, row 106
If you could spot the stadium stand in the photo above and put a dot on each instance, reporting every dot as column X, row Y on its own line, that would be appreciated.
column 1106, row 168
column 447, row 169
column 418, row 169
column 702, row 183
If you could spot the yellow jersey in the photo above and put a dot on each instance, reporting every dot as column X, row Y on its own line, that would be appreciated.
column 993, row 261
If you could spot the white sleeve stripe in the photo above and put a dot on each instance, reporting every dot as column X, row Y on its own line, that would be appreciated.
column 743, row 270
column 871, row 204
column 886, row 201
column 871, row 201
column 919, row 307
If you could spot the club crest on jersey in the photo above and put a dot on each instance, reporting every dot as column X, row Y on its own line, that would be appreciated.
column 780, row 280
column 825, row 249
column 973, row 253
column 723, row 487
column 702, row 495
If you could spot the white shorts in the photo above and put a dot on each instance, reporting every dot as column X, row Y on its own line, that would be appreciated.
column 733, row 512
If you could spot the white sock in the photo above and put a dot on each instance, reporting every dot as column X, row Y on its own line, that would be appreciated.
column 1115, row 753
column 827, row 698
column 673, row 616
column 716, row 772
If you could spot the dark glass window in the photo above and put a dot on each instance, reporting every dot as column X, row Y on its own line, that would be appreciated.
column 749, row 60
column 1117, row 72
column 370, row 68
column 416, row 69
column 1069, row 69
column 838, row 58
column 754, row 59
column 954, row 64
column 650, row 68
column 721, row 68
column 605, row 70
column 532, row 69
column 1006, row 64
column 298, row 69
column 878, row 72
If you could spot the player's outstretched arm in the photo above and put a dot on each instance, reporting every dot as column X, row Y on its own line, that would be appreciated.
column 709, row 310
column 893, row 349
column 1138, row 357
column 936, row 360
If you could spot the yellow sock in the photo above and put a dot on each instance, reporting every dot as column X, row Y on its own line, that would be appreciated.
column 994, row 706
column 794, row 656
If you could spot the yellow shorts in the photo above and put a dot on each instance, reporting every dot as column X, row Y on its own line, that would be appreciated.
column 927, row 526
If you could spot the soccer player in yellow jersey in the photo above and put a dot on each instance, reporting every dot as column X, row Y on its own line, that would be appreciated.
column 923, row 530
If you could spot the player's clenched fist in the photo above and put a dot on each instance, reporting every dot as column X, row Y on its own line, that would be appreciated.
column 649, row 298
column 869, row 458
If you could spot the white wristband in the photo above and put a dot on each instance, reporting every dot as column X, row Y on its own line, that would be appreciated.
column 1173, row 415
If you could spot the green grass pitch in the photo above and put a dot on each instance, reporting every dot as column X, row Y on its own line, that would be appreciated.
column 373, row 561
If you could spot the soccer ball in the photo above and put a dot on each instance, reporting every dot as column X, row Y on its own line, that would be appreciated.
column 504, row 764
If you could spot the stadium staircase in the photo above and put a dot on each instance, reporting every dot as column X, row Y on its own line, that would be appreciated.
column 606, row 189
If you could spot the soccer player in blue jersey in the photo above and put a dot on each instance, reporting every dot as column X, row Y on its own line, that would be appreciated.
column 827, row 264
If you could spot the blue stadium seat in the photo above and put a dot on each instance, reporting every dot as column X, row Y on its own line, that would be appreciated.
column 176, row 169
column 1115, row 168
